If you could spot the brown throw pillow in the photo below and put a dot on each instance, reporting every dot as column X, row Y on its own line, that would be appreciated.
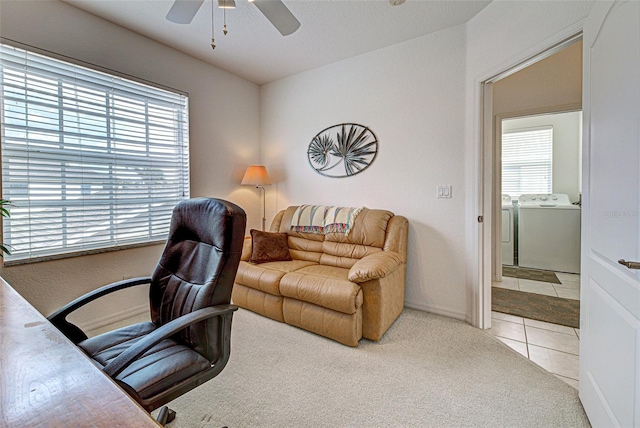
column 269, row 247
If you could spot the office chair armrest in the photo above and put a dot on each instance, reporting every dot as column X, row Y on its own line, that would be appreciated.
column 117, row 365
column 58, row 318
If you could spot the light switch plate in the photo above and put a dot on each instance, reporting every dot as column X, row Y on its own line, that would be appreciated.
column 443, row 191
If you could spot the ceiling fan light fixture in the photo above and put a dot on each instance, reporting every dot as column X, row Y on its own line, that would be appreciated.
column 226, row 4
column 396, row 2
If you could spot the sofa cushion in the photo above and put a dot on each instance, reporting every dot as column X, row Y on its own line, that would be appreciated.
column 305, row 249
column 369, row 228
column 269, row 247
column 266, row 276
column 328, row 271
column 331, row 291
column 344, row 328
column 367, row 236
column 344, row 255
column 258, row 301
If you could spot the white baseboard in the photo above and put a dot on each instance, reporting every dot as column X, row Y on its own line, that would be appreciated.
column 469, row 320
column 115, row 317
column 436, row 310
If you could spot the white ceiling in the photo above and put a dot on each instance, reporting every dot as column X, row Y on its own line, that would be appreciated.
column 331, row 30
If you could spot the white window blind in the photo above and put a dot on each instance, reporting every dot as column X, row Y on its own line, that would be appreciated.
column 90, row 161
column 527, row 161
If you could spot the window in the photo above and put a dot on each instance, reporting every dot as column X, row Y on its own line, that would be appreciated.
column 90, row 160
column 527, row 161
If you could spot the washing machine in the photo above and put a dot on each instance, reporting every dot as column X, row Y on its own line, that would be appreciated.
column 548, row 233
column 508, row 229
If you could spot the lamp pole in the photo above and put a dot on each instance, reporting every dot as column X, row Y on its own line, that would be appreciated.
column 264, row 206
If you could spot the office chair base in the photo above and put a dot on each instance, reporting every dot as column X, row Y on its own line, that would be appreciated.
column 166, row 415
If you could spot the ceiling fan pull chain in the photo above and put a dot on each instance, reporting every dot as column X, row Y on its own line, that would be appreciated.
column 224, row 14
column 213, row 41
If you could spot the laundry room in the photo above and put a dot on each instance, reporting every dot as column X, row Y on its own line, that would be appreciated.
column 541, row 191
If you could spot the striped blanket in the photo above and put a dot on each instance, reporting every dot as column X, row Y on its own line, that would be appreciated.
column 323, row 219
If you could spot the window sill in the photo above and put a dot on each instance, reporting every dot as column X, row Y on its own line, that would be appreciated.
column 79, row 253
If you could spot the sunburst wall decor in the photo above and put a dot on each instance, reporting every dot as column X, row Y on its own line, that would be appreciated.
column 342, row 150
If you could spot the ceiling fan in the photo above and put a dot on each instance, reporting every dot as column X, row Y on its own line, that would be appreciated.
column 183, row 12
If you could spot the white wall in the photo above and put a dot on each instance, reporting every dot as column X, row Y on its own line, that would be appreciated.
column 566, row 147
column 224, row 126
column 411, row 95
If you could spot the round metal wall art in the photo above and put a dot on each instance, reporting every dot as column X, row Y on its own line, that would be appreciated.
column 342, row 150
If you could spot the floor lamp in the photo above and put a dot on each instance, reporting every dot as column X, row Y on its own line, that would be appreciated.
column 256, row 175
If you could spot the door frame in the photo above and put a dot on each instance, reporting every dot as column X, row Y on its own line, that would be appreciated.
column 488, row 202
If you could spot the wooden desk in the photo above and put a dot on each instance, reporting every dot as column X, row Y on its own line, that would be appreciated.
column 46, row 381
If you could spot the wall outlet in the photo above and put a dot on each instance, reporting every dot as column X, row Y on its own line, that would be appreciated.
column 444, row 191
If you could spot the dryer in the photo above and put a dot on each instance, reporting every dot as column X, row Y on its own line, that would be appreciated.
column 508, row 229
column 548, row 232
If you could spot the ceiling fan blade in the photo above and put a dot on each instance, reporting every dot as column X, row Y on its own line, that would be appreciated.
column 279, row 15
column 183, row 11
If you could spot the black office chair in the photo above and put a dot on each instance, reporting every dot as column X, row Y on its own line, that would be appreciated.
column 187, row 341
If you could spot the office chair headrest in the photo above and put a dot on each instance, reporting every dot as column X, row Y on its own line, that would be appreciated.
column 205, row 220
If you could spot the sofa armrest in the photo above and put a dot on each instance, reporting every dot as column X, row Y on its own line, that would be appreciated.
column 246, row 249
column 375, row 266
column 397, row 235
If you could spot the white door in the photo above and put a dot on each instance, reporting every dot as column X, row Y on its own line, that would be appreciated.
column 610, row 320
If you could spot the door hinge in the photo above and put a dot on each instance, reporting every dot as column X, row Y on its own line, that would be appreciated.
column 480, row 219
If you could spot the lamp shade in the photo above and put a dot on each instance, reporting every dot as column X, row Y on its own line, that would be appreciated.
column 256, row 175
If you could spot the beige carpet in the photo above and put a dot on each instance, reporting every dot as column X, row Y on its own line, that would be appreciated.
column 427, row 371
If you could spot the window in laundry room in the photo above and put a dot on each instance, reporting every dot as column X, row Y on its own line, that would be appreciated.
column 541, row 155
column 527, row 161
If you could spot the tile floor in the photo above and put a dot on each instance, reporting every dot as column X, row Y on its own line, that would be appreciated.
column 569, row 289
column 553, row 347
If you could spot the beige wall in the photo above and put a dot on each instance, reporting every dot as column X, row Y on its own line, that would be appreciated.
column 551, row 85
column 224, row 125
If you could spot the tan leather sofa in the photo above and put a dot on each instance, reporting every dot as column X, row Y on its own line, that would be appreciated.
column 341, row 287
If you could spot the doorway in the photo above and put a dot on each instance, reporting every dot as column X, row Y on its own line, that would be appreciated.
column 538, row 299
column 531, row 103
